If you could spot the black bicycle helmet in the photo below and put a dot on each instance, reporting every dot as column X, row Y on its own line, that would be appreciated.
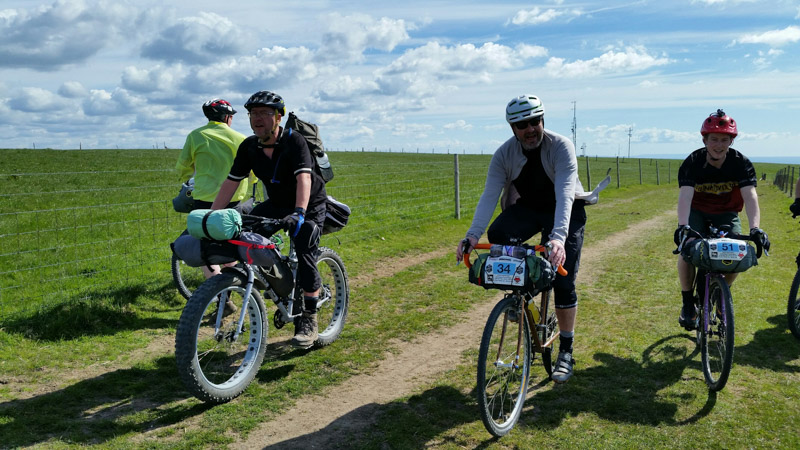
column 218, row 109
column 266, row 98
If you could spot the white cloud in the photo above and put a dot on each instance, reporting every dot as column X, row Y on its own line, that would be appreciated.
column 155, row 79
column 632, row 59
column 119, row 102
column 458, row 125
column 66, row 32
column 270, row 68
column 349, row 36
column 537, row 16
column 198, row 39
column 72, row 89
column 32, row 99
column 773, row 38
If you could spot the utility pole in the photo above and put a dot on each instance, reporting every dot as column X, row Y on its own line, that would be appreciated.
column 574, row 124
column 630, row 133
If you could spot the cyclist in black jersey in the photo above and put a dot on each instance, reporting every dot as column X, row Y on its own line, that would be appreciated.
column 296, row 194
column 716, row 182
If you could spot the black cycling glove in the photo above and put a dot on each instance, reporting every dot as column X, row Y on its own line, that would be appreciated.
column 679, row 232
column 760, row 237
column 294, row 221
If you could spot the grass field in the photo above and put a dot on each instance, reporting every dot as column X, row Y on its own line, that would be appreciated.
column 86, row 358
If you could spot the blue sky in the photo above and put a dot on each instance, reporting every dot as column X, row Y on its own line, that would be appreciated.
column 427, row 75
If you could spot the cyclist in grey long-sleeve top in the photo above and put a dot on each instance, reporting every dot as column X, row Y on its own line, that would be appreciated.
column 536, row 172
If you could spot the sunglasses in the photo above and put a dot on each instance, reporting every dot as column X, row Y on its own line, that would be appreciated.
column 526, row 123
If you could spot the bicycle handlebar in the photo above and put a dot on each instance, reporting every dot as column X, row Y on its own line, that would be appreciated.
column 261, row 225
column 692, row 233
column 537, row 248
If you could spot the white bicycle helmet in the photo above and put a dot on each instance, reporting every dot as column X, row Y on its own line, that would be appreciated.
column 524, row 107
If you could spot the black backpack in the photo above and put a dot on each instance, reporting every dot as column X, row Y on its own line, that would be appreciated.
column 311, row 132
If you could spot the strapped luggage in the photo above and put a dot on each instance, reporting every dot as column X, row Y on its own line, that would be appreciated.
column 219, row 225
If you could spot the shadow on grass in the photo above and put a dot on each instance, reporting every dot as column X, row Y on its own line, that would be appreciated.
column 97, row 410
column 410, row 423
column 619, row 389
column 771, row 349
column 101, row 312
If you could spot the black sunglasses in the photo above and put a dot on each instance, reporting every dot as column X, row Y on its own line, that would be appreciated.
column 526, row 123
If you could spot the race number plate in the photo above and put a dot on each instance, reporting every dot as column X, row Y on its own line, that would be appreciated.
column 505, row 270
column 727, row 249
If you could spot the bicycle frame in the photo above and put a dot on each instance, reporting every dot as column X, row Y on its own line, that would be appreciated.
column 285, row 309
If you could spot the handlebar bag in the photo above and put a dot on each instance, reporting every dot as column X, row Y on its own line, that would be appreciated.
column 219, row 225
column 708, row 254
column 532, row 273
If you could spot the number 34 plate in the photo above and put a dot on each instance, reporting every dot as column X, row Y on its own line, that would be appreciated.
column 727, row 249
column 505, row 270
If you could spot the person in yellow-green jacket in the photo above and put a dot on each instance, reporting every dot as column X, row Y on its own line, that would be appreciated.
column 208, row 156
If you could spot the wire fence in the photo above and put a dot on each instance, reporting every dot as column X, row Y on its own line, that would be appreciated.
column 75, row 225
column 74, row 235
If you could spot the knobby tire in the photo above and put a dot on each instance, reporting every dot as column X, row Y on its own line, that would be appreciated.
column 501, row 387
column 214, row 367
column 717, row 335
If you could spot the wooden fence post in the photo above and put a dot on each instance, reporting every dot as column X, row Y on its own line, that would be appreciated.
column 457, row 189
column 617, row 171
column 658, row 175
column 588, row 175
column 640, row 170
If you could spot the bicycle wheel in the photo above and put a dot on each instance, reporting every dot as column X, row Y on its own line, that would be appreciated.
column 503, row 367
column 334, row 296
column 548, row 331
column 186, row 278
column 793, row 307
column 215, row 365
column 716, row 334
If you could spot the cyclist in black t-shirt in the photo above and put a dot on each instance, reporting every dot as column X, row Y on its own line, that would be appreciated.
column 715, row 182
column 296, row 194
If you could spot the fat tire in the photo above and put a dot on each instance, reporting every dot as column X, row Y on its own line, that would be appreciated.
column 717, row 339
column 793, row 306
column 332, row 314
column 500, row 418
column 195, row 319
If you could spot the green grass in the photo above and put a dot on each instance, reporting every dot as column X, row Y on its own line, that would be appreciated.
column 637, row 383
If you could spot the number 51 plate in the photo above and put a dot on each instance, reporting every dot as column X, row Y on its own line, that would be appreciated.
column 505, row 270
column 727, row 249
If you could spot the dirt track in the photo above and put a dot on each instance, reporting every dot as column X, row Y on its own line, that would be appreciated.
column 411, row 365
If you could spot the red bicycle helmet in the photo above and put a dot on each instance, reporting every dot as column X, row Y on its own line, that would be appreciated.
column 217, row 109
column 719, row 122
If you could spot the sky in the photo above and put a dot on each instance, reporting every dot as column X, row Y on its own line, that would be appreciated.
column 631, row 77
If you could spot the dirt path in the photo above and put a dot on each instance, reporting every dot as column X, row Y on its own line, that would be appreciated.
column 402, row 371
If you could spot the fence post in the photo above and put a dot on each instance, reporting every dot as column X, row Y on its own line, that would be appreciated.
column 617, row 171
column 588, row 175
column 640, row 170
column 457, row 186
column 791, row 184
column 658, row 175
column 669, row 172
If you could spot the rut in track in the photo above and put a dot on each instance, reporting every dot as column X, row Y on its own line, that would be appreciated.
column 403, row 370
